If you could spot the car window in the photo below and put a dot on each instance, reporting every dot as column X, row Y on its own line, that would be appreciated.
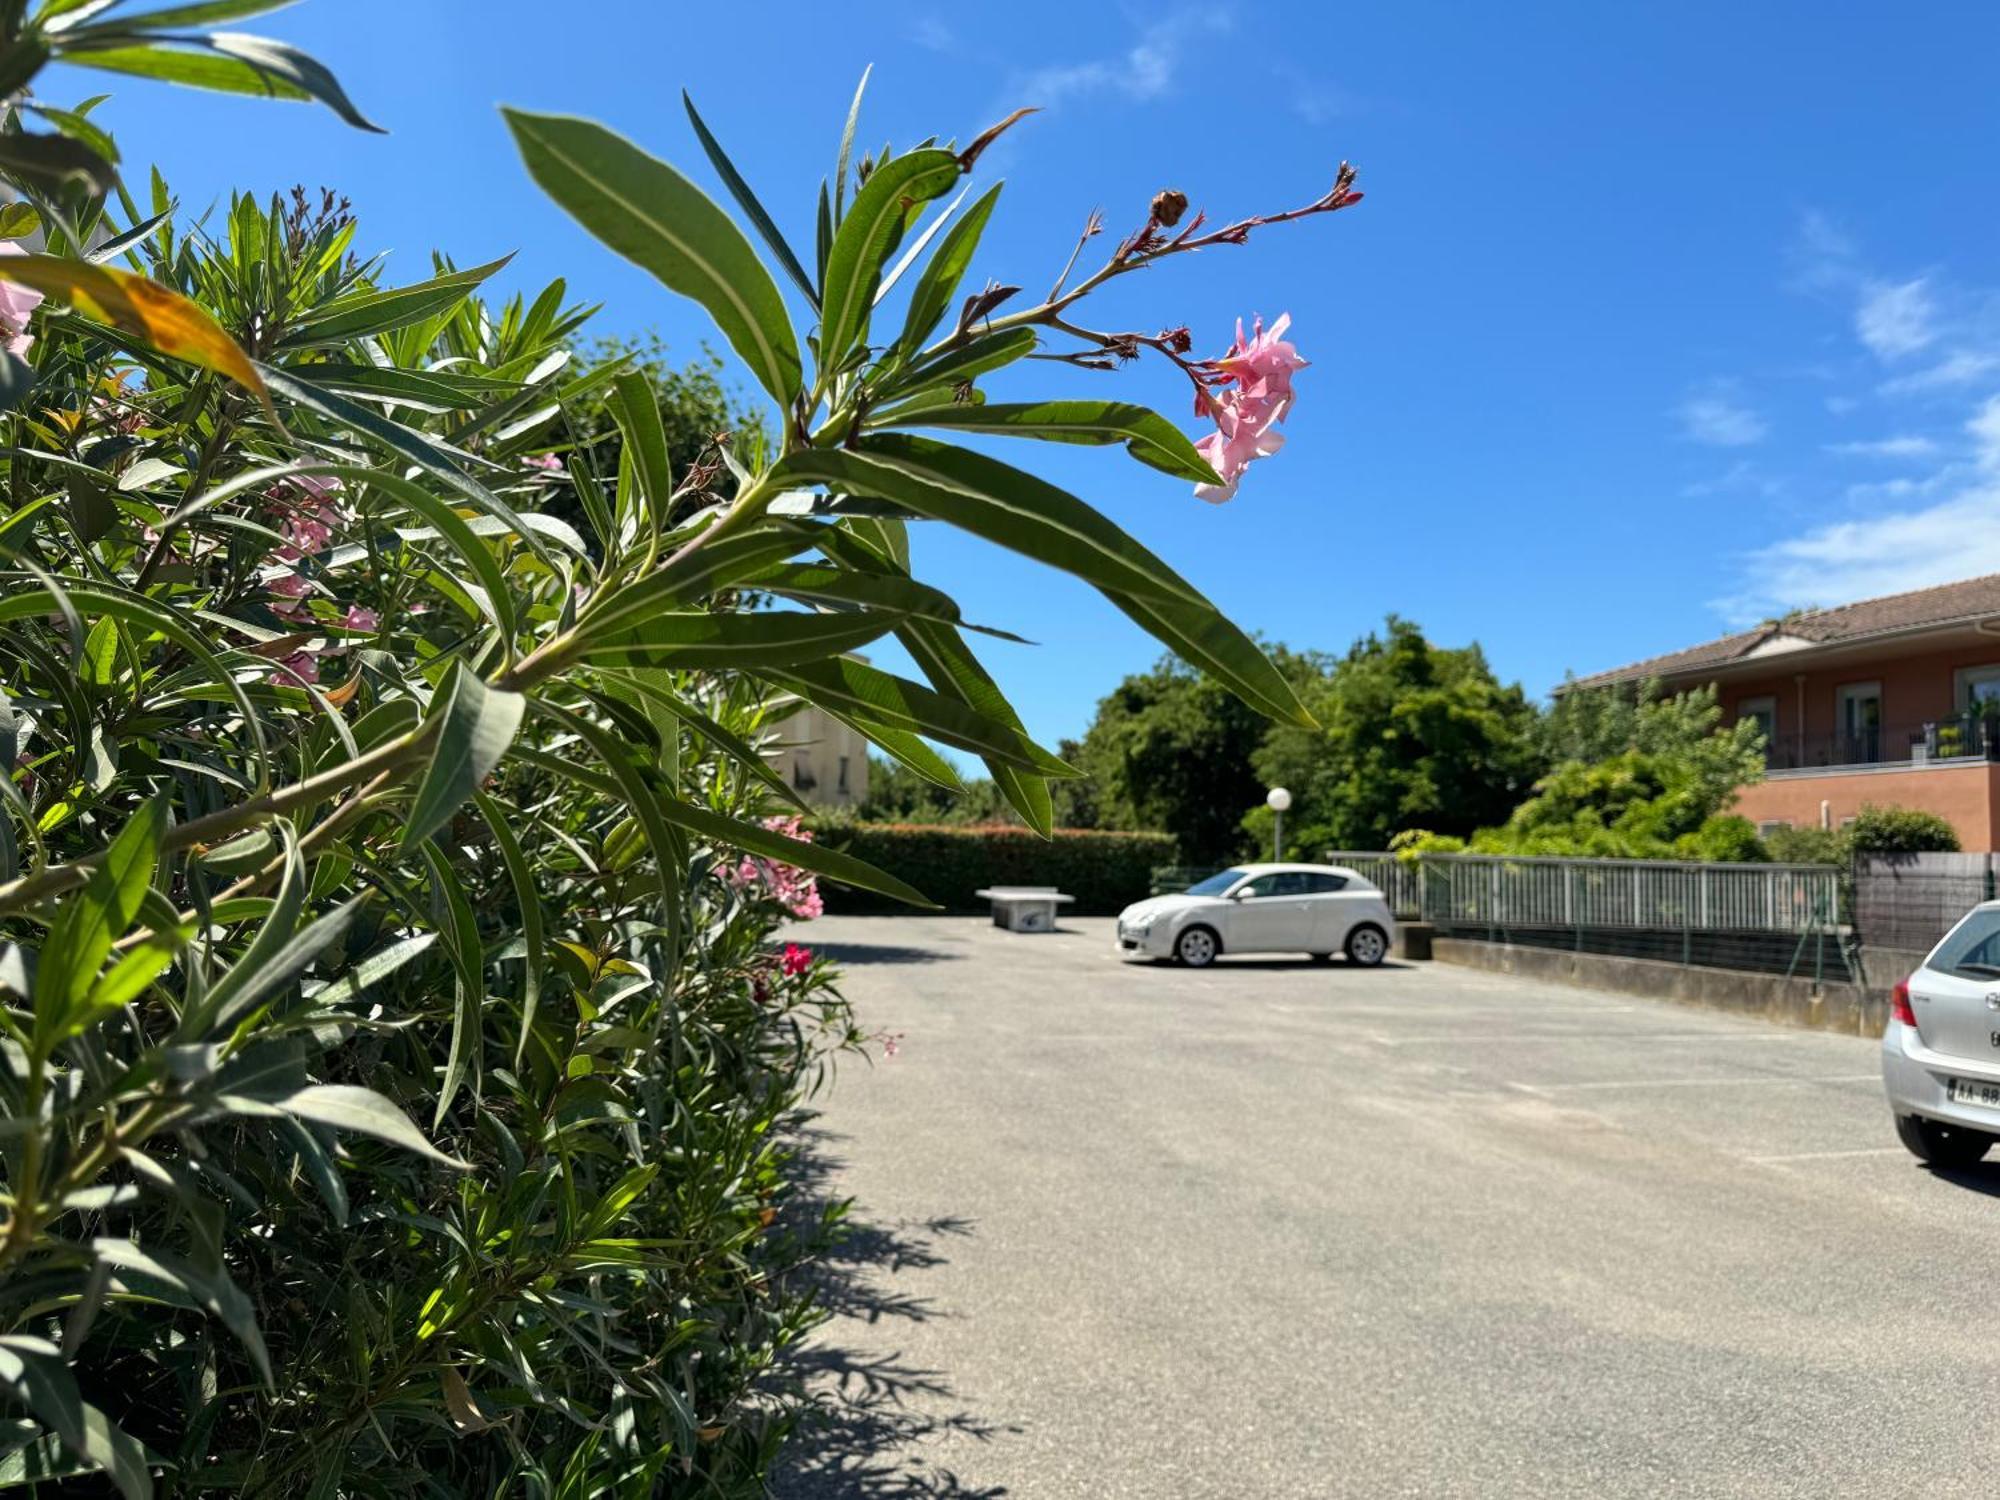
column 1972, row 950
column 1325, row 885
column 1278, row 883
column 1216, row 884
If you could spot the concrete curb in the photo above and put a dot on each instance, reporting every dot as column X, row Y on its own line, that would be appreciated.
column 1843, row 1008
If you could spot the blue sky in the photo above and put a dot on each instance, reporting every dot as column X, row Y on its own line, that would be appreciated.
column 1656, row 320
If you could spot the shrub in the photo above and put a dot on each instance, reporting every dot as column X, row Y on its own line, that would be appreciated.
column 1808, row 846
column 395, row 1057
column 1899, row 830
column 1106, row 872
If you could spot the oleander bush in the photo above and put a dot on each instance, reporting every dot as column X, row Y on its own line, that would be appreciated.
column 397, row 1049
column 951, row 862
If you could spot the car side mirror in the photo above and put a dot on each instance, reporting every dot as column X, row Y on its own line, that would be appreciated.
column 1239, row 895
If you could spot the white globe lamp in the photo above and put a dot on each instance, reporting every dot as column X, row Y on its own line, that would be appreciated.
column 1279, row 801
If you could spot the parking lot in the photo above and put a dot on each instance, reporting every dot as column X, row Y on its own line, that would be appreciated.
column 1279, row 1229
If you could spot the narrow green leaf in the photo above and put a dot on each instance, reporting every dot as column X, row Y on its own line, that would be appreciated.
column 458, row 929
column 363, row 1112
column 738, row 640
column 34, row 1370
column 90, row 920
column 939, row 283
column 379, row 311
column 941, row 653
column 636, row 409
column 214, row 1293
column 724, row 740
column 945, row 373
column 849, row 686
column 864, row 239
column 521, row 874
column 847, row 146
column 1203, row 637
column 231, row 63
column 478, row 724
column 747, row 201
column 1147, row 436
column 656, row 218
column 991, row 500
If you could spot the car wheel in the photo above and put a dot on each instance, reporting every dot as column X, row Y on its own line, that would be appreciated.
column 1321, row 958
column 1367, row 946
column 1197, row 947
column 1941, row 1145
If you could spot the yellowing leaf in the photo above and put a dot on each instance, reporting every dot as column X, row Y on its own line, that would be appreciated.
column 155, row 315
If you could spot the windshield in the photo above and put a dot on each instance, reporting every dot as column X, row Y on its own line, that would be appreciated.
column 1972, row 949
column 1217, row 883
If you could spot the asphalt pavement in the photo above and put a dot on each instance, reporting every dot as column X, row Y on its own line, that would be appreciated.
column 1282, row 1229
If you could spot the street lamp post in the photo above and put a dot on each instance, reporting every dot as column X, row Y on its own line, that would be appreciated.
column 1278, row 800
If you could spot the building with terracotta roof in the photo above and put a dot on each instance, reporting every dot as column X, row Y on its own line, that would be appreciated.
column 1891, row 702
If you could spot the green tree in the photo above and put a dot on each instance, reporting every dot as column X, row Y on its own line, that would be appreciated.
column 1411, row 735
column 896, row 794
column 1169, row 751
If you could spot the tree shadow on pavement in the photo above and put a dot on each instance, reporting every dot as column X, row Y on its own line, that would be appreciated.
column 884, row 953
column 873, row 1414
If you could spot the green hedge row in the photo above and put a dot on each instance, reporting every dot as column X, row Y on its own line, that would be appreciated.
column 1104, row 871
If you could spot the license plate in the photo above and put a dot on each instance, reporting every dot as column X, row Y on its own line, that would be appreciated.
column 1967, row 1091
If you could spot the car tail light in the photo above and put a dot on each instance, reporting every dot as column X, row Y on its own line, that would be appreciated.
column 1899, row 1003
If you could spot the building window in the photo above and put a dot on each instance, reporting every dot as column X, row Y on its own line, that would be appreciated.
column 1772, row 825
column 1763, row 712
column 1976, row 691
column 1858, row 717
column 841, row 783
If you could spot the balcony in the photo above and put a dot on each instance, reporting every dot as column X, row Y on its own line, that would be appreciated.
column 1962, row 737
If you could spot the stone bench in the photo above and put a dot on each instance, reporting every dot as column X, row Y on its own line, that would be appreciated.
column 1025, row 908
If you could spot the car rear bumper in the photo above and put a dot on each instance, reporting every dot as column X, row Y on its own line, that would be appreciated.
column 1917, row 1081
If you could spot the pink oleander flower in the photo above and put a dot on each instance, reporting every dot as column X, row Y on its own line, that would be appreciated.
column 548, row 463
column 360, row 618
column 16, row 303
column 1253, row 393
column 309, row 514
column 301, row 666
column 797, row 960
column 794, row 889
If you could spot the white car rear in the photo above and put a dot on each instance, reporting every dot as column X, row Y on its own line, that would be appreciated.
column 1941, row 1050
column 1320, row 910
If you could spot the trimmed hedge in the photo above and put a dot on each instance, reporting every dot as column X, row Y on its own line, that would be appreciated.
column 1106, row 872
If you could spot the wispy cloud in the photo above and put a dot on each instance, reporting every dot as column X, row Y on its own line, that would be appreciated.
column 934, row 35
column 1718, row 417
column 1951, row 531
column 1740, row 478
column 1148, row 69
column 1896, row 320
column 1962, row 367
column 1893, row 447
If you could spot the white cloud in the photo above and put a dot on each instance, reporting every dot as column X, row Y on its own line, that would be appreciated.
column 1860, row 559
column 932, row 34
column 1895, row 320
column 1145, row 70
column 1720, row 420
column 1959, row 368
column 1895, row 447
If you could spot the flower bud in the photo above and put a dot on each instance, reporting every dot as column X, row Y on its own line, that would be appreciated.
column 1168, row 206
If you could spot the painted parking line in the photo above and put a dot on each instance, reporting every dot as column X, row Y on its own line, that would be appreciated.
column 1799, row 1156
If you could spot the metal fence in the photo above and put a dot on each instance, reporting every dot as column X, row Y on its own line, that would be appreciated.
column 1909, row 901
column 1782, row 918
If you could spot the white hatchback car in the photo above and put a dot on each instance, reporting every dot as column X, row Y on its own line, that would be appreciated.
column 1317, row 909
column 1941, row 1049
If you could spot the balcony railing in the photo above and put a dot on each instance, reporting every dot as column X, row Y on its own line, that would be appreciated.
column 1959, row 737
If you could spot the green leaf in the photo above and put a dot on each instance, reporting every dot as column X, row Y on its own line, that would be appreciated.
column 478, row 724
column 636, row 408
column 845, row 587
column 656, row 218
column 991, row 500
column 521, row 874
column 372, row 312
column 750, row 641
column 227, row 61
column 847, row 147
column 34, row 1370
column 55, row 161
column 90, row 920
column 939, row 283
column 727, row 741
column 203, row 13
column 1203, row 637
column 363, row 1112
column 129, row 978
column 941, row 653
column 852, row 687
column 1147, row 436
column 265, row 971
column 753, row 838
column 636, row 786
column 979, row 355
column 865, row 238
column 747, row 201
column 458, row 928
column 214, row 1293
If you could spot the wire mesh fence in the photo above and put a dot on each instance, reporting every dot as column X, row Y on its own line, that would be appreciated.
column 1909, row 901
